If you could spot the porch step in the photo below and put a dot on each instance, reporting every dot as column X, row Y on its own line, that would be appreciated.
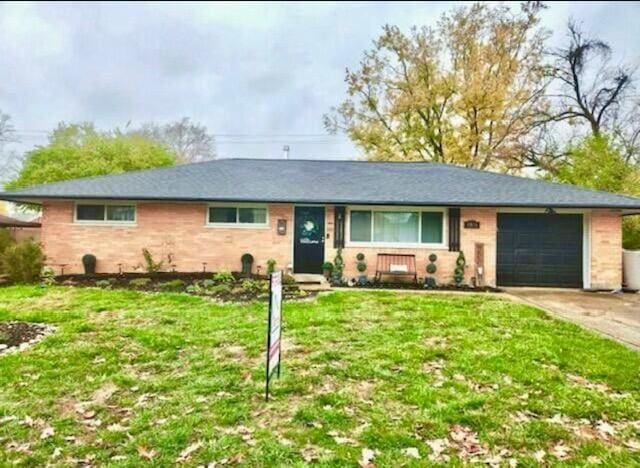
column 311, row 282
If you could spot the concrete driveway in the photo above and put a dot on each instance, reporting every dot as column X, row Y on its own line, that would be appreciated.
column 614, row 315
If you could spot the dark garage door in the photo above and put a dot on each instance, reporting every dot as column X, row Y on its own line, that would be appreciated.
column 539, row 250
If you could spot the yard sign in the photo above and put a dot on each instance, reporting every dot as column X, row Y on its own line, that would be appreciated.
column 274, row 330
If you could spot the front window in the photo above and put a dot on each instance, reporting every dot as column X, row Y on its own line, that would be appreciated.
column 410, row 226
column 103, row 213
column 238, row 215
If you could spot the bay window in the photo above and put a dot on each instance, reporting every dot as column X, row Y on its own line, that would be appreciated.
column 411, row 226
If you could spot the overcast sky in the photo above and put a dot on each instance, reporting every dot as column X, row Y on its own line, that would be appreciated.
column 258, row 76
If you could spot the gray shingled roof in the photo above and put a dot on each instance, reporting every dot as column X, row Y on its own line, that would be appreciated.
column 312, row 181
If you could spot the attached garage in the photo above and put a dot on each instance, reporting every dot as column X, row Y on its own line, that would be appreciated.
column 539, row 249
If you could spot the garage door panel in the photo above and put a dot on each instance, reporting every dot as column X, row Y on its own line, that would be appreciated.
column 539, row 250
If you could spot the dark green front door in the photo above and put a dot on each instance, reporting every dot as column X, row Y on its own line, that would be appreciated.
column 308, row 239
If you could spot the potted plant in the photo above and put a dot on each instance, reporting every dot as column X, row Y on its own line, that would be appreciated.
column 361, row 266
column 327, row 268
column 458, row 273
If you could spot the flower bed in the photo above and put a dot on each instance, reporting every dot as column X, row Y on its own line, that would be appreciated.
column 16, row 336
column 222, row 286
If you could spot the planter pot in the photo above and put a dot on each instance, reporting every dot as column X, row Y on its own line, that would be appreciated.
column 631, row 262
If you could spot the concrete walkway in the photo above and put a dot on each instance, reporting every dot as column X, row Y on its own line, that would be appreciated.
column 614, row 315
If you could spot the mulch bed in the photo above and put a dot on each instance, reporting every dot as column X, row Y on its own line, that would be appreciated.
column 421, row 287
column 21, row 334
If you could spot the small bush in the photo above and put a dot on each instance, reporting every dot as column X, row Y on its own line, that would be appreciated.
column 327, row 266
column 150, row 265
column 251, row 286
column 47, row 276
column 173, row 285
column 139, row 282
column 271, row 266
column 104, row 284
column 360, row 257
column 208, row 283
column 288, row 279
column 431, row 268
column 219, row 290
column 223, row 277
column 6, row 241
column 23, row 262
column 433, row 257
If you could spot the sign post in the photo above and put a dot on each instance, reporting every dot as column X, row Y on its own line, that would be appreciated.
column 274, row 330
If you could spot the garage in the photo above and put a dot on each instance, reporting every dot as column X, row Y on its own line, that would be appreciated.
column 540, row 250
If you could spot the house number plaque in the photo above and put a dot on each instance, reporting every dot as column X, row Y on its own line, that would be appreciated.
column 472, row 224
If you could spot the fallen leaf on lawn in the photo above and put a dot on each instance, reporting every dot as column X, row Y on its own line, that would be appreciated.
column 560, row 451
column 186, row 453
column 7, row 419
column 438, row 445
column 118, row 458
column 47, row 432
column 411, row 452
column 117, row 428
column 56, row 452
column 539, row 456
column 633, row 445
column 89, row 414
column 28, row 421
column 593, row 460
column 105, row 392
column 146, row 453
column 605, row 429
column 367, row 457
column 310, row 453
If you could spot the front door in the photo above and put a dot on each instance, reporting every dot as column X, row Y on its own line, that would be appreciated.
column 308, row 239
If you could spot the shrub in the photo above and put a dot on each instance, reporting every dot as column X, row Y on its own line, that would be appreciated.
column 173, row 285
column 208, row 283
column 361, row 266
column 220, row 290
column 6, row 241
column 251, row 286
column 338, row 268
column 23, row 262
column 327, row 266
column 89, row 264
column 431, row 268
column 433, row 257
column 223, row 277
column 139, row 282
column 271, row 266
column 150, row 265
column 47, row 276
column 104, row 284
column 458, row 273
column 360, row 257
column 288, row 280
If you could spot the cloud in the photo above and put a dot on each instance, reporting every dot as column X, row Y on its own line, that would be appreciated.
column 249, row 68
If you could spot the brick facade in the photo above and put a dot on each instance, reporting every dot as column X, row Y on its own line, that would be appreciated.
column 179, row 230
column 606, row 249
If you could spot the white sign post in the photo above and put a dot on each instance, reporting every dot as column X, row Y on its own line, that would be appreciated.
column 274, row 330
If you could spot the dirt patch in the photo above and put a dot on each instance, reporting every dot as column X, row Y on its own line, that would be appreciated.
column 20, row 335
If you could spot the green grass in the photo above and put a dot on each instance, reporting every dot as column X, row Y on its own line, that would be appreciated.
column 129, row 374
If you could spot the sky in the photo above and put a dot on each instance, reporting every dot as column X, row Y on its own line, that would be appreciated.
column 259, row 76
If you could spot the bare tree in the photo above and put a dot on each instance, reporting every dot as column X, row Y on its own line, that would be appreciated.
column 592, row 90
column 190, row 141
column 9, row 160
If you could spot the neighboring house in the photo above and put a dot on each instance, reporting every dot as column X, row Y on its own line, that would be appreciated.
column 19, row 229
column 513, row 230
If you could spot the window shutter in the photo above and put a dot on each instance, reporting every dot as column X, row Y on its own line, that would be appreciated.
column 454, row 229
column 338, row 224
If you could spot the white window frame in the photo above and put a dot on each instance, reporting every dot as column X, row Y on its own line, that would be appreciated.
column 105, row 221
column 237, row 225
column 395, row 245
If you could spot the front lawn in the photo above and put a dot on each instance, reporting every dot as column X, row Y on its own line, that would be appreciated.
column 374, row 378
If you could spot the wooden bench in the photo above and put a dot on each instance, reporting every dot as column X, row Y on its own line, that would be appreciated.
column 397, row 265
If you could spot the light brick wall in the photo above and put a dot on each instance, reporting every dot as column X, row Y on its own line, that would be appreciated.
column 177, row 229
column 606, row 249
column 446, row 262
